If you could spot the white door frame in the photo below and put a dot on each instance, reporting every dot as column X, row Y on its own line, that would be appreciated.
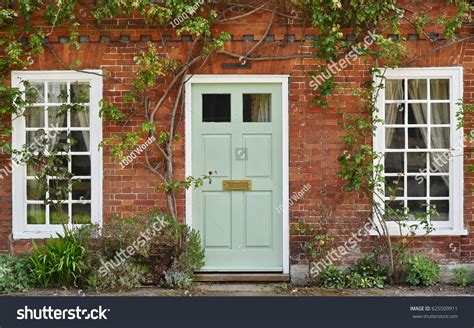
column 222, row 78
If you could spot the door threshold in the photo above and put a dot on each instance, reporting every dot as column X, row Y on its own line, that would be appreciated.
column 241, row 277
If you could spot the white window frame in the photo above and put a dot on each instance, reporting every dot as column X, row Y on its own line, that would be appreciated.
column 20, row 229
column 456, row 177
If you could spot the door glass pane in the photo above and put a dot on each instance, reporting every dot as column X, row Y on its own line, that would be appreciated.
column 442, row 207
column 34, row 117
column 416, row 186
column 440, row 114
column 394, row 90
column 80, row 92
column 57, row 92
column 417, row 114
column 81, row 165
column 439, row 89
column 417, row 137
column 81, row 213
column 36, row 214
column 394, row 163
column 58, row 214
column 394, row 114
column 257, row 107
column 417, row 89
column 216, row 108
column 394, row 138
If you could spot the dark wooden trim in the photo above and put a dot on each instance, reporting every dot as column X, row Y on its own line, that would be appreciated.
column 242, row 277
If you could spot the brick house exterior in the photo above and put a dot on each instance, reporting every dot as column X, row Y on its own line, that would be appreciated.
column 314, row 133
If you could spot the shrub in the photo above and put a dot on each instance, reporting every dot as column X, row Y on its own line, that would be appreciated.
column 126, row 276
column 159, row 243
column 460, row 277
column 177, row 279
column 14, row 274
column 59, row 262
column 332, row 277
column 421, row 271
column 367, row 273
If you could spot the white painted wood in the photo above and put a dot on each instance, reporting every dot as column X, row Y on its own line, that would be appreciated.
column 19, row 227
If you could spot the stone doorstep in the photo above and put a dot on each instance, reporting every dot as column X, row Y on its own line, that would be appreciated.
column 241, row 277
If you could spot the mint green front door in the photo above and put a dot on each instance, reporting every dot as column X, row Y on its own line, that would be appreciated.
column 236, row 134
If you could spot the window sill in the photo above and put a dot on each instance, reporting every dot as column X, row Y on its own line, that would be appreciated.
column 393, row 231
column 35, row 235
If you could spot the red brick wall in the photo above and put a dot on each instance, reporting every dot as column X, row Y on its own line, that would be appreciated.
column 314, row 132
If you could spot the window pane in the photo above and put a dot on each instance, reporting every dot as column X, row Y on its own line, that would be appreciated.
column 393, row 209
column 56, row 117
column 81, row 165
column 393, row 186
column 442, row 207
column 59, row 141
column 416, row 207
column 416, row 186
column 417, row 89
column 58, row 214
column 439, row 89
column 37, row 137
column 81, row 213
column 440, row 138
column 416, row 162
column 58, row 189
column 57, row 92
column 80, row 92
column 394, row 138
column 216, row 108
column 417, row 137
column 34, row 117
column 81, row 190
column 80, row 140
column 394, row 90
column 257, row 107
column 36, row 214
column 439, row 162
column 80, row 118
column 440, row 114
column 394, row 163
column 35, row 92
column 439, row 186
column 34, row 190
column 417, row 114
column 394, row 114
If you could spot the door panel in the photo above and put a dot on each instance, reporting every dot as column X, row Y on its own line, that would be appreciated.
column 241, row 230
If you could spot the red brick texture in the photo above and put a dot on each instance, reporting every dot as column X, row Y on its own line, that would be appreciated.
column 314, row 132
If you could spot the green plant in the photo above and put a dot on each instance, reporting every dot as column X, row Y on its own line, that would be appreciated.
column 14, row 274
column 460, row 276
column 332, row 277
column 127, row 275
column 367, row 273
column 58, row 262
column 422, row 271
column 177, row 280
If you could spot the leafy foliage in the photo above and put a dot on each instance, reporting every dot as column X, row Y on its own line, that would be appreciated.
column 332, row 277
column 177, row 280
column 461, row 276
column 421, row 271
column 14, row 274
column 367, row 273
